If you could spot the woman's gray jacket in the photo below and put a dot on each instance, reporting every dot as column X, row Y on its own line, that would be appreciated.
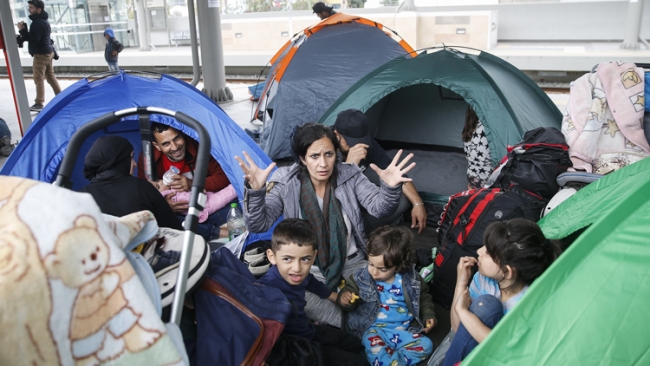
column 352, row 189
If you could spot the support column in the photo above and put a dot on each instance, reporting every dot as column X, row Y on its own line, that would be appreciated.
column 14, row 68
column 214, row 69
column 633, row 26
column 142, row 25
column 407, row 5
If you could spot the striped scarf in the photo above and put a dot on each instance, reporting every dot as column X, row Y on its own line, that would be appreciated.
column 331, row 235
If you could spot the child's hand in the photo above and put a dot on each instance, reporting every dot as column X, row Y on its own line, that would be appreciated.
column 347, row 298
column 463, row 301
column 464, row 270
column 429, row 324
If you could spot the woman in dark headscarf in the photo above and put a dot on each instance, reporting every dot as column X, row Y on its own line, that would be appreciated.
column 109, row 165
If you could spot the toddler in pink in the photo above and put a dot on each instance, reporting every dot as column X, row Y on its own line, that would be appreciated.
column 215, row 201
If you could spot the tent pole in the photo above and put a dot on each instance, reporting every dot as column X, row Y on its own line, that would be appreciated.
column 14, row 67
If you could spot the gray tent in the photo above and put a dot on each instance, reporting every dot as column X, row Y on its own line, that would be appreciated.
column 314, row 68
column 419, row 103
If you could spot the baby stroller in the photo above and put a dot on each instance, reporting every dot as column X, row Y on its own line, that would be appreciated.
column 73, row 291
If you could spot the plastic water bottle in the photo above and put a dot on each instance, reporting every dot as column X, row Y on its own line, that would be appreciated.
column 236, row 222
column 167, row 177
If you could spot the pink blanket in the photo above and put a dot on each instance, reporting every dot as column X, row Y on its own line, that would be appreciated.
column 603, row 122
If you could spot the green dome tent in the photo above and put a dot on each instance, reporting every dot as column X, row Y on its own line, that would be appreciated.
column 590, row 306
column 420, row 103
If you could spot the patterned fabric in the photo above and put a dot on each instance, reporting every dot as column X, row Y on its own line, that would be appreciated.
column 482, row 285
column 331, row 234
column 603, row 121
column 387, row 341
column 479, row 162
column 69, row 293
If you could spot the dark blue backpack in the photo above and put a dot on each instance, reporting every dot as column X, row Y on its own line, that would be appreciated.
column 237, row 320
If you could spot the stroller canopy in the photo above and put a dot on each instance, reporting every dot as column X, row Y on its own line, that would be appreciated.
column 423, row 100
column 585, row 308
column 314, row 68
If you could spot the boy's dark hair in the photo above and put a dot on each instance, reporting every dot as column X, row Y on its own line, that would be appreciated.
column 520, row 244
column 296, row 231
column 394, row 244
column 158, row 127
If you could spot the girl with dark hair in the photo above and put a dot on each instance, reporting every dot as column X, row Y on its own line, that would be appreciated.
column 394, row 306
column 479, row 161
column 328, row 194
column 109, row 166
column 515, row 254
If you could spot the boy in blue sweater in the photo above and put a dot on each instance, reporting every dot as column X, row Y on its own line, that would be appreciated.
column 292, row 253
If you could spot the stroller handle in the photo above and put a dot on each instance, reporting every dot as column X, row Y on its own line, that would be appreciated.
column 197, row 197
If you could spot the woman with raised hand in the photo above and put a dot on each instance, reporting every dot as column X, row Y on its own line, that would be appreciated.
column 327, row 193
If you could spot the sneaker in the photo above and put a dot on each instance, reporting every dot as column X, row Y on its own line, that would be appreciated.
column 254, row 257
column 6, row 150
column 36, row 107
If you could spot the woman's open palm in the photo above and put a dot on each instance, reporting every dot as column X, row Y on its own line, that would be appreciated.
column 394, row 173
column 255, row 176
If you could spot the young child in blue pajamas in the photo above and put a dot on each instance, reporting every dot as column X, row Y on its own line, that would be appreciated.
column 387, row 303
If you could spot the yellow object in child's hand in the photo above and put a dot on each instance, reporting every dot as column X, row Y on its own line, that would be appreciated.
column 342, row 285
column 428, row 324
column 354, row 298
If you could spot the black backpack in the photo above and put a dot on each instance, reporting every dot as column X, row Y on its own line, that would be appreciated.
column 461, row 229
column 534, row 163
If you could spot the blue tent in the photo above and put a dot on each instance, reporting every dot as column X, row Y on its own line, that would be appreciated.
column 40, row 152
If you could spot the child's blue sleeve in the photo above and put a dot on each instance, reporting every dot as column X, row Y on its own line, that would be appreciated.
column 475, row 286
column 317, row 287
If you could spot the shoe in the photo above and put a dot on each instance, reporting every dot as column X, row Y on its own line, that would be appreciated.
column 6, row 147
column 36, row 107
column 254, row 257
column 6, row 150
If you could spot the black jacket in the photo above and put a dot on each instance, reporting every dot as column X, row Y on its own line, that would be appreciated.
column 38, row 35
column 119, row 194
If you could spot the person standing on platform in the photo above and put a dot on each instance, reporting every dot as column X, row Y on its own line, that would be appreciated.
column 113, row 48
column 40, row 47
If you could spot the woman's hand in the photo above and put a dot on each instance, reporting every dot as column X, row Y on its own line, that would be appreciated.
column 255, row 176
column 464, row 270
column 393, row 174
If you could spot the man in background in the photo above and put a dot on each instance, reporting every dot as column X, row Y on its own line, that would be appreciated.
column 40, row 47
column 323, row 11
column 357, row 147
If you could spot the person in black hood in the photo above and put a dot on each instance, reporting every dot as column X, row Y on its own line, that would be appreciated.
column 109, row 165
column 40, row 47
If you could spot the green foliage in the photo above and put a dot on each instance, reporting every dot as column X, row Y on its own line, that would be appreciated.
column 356, row 3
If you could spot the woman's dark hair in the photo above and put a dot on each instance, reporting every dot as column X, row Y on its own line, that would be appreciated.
column 305, row 135
column 471, row 122
column 394, row 244
column 520, row 244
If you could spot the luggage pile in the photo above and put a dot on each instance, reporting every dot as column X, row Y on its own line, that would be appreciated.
column 520, row 186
